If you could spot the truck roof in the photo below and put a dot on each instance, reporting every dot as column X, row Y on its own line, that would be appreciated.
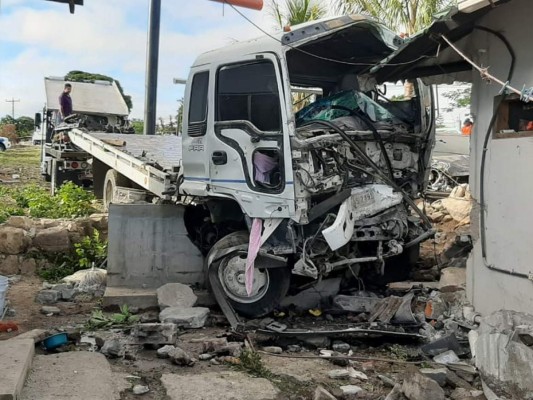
column 100, row 97
column 299, row 35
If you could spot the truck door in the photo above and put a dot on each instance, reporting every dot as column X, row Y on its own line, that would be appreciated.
column 195, row 122
column 249, row 157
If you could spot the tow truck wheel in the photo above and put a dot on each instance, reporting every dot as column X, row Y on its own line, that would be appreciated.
column 269, row 286
column 111, row 181
column 2, row 147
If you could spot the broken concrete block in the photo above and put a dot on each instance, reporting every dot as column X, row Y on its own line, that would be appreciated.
column 163, row 351
column 181, row 357
column 323, row 394
column 48, row 296
column 396, row 393
column 52, row 240
column 341, row 347
column 191, row 317
column 418, row 387
column 455, row 382
column 350, row 390
column 214, row 345
column 13, row 240
column 233, row 349
column 273, row 349
column 113, row 348
column 465, row 394
column 452, row 279
column 175, row 295
column 435, row 306
column 448, row 357
column 339, row 374
column 438, row 375
column 140, row 389
column 50, row 310
column 359, row 303
column 154, row 333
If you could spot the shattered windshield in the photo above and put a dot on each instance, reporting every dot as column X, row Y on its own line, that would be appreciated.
column 348, row 107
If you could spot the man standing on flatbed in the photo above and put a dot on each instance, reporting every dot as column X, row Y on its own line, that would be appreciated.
column 65, row 101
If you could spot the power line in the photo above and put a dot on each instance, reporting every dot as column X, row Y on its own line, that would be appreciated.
column 321, row 57
column 13, row 101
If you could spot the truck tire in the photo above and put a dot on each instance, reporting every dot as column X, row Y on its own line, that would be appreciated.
column 2, row 147
column 111, row 181
column 270, row 285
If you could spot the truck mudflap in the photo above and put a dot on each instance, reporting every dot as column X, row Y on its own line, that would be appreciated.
column 363, row 202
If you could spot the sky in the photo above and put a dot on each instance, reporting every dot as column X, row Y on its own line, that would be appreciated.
column 41, row 38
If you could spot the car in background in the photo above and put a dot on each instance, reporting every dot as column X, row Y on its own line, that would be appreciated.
column 450, row 163
column 5, row 143
column 37, row 137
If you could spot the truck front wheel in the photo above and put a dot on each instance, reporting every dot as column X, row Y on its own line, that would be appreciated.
column 269, row 286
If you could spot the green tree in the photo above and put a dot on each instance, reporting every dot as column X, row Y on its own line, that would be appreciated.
column 294, row 12
column 459, row 98
column 81, row 76
column 138, row 126
column 407, row 16
column 25, row 125
column 179, row 116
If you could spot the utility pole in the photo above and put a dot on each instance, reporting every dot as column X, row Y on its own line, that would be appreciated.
column 13, row 101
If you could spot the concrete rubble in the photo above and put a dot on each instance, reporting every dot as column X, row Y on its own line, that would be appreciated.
column 175, row 295
column 185, row 317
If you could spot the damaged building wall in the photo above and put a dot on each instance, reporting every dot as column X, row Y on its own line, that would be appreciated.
column 509, row 165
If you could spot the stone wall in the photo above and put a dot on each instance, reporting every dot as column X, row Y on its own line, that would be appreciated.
column 25, row 242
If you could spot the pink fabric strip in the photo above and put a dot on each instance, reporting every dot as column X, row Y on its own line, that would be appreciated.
column 253, row 249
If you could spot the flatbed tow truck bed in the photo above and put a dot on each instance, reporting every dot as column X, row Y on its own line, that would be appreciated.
column 152, row 162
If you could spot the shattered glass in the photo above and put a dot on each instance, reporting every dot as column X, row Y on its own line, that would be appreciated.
column 326, row 109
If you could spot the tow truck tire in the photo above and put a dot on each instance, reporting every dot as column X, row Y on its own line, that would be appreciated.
column 274, row 282
column 111, row 181
column 2, row 147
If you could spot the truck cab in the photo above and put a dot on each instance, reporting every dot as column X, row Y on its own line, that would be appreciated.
column 330, row 184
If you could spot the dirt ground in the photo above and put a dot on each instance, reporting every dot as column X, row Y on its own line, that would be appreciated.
column 22, row 161
column 21, row 296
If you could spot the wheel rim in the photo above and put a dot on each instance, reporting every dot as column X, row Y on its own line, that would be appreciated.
column 231, row 274
column 108, row 194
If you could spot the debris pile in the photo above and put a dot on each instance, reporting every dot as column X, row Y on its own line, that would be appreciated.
column 456, row 207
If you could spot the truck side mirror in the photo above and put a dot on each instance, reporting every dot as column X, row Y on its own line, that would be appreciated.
column 38, row 120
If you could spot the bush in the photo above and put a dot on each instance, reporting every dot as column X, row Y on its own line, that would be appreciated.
column 71, row 201
column 90, row 250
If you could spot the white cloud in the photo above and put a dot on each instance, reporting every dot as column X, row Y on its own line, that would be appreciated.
column 109, row 38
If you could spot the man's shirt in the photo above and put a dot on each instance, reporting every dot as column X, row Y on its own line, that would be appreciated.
column 65, row 101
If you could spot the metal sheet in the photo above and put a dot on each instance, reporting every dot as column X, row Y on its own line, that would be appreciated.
column 164, row 150
column 88, row 98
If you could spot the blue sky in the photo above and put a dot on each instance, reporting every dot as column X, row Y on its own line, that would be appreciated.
column 41, row 38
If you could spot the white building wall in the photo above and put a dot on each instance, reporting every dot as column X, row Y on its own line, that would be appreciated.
column 509, row 168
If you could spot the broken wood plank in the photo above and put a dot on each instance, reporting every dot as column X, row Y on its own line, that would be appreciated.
column 115, row 142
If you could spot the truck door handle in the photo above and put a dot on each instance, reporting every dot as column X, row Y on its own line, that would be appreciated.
column 219, row 158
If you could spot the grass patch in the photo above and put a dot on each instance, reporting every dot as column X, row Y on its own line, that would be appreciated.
column 21, row 157
column 71, row 201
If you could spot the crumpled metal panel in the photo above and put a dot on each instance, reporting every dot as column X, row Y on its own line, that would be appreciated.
column 364, row 202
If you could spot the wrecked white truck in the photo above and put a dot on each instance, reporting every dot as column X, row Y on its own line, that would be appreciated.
column 295, row 197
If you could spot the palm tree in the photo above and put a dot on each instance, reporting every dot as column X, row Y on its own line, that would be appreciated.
column 407, row 16
column 294, row 12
